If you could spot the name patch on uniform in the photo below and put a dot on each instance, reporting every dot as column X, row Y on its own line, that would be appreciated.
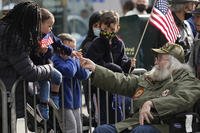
column 165, row 93
column 138, row 92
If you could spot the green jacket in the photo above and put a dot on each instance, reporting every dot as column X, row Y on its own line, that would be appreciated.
column 174, row 95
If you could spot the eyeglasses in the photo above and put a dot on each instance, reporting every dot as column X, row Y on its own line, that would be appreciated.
column 160, row 58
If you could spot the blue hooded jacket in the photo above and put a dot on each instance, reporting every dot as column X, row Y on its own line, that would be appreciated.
column 72, row 74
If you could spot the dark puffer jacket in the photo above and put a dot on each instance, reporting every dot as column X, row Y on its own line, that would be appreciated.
column 17, row 63
column 111, row 56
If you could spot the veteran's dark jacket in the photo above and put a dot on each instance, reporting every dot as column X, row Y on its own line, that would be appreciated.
column 16, row 63
column 174, row 95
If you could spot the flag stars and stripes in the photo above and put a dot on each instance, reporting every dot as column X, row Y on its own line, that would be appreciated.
column 46, row 41
column 161, row 18
column 162, row 5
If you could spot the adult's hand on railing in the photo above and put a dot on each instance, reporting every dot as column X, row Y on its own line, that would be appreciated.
column 145, row 113
column 87, row 64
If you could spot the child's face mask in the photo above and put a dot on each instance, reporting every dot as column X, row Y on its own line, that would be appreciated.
column 96, row 31
column 109, row 32
column 107, row 35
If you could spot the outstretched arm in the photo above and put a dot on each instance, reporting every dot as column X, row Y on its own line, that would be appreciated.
column 109, row 80
column 87, row 64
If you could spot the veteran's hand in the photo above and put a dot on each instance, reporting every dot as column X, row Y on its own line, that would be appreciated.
column 145, row 112
column 77, row 54
column 87, row 64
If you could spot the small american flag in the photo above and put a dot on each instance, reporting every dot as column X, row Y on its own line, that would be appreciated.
column 161, row 17
column 46, row 41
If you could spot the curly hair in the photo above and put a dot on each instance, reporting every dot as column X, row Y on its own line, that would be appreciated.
column 21, row 27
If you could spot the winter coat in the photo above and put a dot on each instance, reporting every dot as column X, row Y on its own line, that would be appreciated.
column 72, row 73
column 113, row 57
column 15, row 64
column 171, row 96
column 110, row 56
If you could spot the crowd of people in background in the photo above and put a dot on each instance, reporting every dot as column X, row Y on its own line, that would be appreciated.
column 29, row 49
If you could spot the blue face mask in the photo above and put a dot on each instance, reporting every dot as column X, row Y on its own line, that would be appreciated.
column 96, row 31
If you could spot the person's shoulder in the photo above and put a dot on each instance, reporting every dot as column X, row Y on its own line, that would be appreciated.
column 55, row 57
column 97, row 39
column 129, row 13
column 118, row 40
column 97, row 42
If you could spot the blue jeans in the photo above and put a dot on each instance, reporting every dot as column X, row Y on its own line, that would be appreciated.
column 139, row 129
column 56, row 78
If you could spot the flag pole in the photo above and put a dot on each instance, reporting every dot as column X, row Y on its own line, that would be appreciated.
column 141, row 39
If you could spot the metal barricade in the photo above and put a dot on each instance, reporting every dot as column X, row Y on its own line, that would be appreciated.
column 8, row 97
column 55, row 116
column 11, row 99
column 40, row 125
column 4, row 108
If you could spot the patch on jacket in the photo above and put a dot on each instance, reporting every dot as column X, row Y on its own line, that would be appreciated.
column 165, row 93
column 138, row 92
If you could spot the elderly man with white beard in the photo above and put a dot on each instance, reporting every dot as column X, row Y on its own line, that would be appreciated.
column 159, row 95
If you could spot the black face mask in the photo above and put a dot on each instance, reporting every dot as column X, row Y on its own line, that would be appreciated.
column 141, row 7
column 188, row 15
column 107, row 35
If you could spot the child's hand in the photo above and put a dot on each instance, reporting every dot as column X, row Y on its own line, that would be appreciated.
column 133, row 62
column 43, row 50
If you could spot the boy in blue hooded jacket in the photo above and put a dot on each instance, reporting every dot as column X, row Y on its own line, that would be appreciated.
column 72, row 74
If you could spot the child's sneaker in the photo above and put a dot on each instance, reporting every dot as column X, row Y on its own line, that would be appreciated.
column 54, row 102
column 43, row 111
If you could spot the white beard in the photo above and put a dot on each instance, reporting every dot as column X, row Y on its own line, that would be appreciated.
column 159, row 74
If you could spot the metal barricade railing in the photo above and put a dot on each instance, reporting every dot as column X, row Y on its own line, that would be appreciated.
column 10, row 97
column 90, row 105
column 13, row 106
column 4, row 108
column 56, row 113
